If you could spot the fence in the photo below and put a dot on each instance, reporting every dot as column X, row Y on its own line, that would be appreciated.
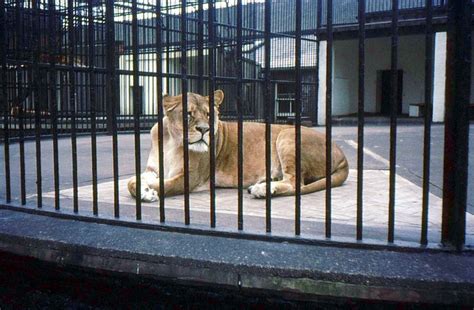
column 71, row 67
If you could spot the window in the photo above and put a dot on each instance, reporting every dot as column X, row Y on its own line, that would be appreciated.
column 285, row 100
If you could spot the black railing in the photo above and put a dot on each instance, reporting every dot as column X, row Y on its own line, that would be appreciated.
column 89, row 66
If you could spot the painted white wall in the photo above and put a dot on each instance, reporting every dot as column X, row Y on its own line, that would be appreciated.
column 146, row 63
column 411, row 60
column 439, row 83
column 439, row 87
column 411, row 56
column 345, row 89
column 322, row 83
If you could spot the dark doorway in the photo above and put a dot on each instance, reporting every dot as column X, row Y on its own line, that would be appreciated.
column 386, row 91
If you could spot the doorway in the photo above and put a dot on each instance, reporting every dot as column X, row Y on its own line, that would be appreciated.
column 386, row 91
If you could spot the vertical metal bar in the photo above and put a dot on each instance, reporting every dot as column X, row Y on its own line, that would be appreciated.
column 72, row 100
column 429, row 69
column 54, row 103
column 159, row 87
column 394, row 98
column 298, row 91
column 136, row 110
column 268, row 102
column 456, row 146
column 318, row 48
column 110, row 65
column 212, row 85
column 168, row 39
column 184, row 91
column 319, row 13
column 329, row 65
column 111, row 97
column 361, row 120
column 93, row 103
column 36, row 94
column 4, row 98
column 21, row 99
column 200, row 47
column 240, row 131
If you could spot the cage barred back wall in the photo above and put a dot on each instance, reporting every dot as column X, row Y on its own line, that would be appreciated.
column 102, row 66
column 57, row 31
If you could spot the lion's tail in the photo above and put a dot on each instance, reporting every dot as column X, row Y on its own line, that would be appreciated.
column 337, row 179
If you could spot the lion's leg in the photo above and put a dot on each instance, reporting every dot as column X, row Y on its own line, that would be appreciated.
column 150, row 186
column 283, row 178
column 173, row 185
column 147, row 193
column 277, row 188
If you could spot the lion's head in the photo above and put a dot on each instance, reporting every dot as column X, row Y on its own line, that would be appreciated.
column 198, row 118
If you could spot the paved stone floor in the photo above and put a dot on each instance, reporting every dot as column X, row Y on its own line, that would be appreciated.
column 376, row 182
column 408, row 190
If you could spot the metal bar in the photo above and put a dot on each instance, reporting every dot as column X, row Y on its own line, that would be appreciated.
column 36, row 94
column 394, row 98
column 319, row 13
column 456, row 145
column 329, row 65
column 54, row 103
column 212, row 142
column 19, row 44
column 268, row 102
column 72, row 100
column 226, row 79
column 4, row 98
column 200, row 47
column 159, row 87
column 93, row 103
column 184, row 91
column 361, row 120
column 429, row 70
column 298, row 91
column 168, row 34
column 111, row 97
column 137, row 98
column 240, row 130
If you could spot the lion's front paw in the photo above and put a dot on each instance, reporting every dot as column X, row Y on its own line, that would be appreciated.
column 259, row 190
column 148, row 194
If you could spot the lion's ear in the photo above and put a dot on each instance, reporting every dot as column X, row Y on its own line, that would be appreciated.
column 218, row 98
column 169, row 104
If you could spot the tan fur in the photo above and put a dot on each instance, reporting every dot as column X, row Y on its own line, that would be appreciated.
column 313, row 154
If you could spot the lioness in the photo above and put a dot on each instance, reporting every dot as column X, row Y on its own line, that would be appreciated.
column 313, row 154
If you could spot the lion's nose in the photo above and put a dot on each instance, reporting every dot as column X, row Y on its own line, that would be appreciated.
column 202, row 129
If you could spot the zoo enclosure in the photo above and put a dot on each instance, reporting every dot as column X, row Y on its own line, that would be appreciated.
column 70, row 66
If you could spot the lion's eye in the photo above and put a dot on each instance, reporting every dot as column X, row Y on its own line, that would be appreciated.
column 190, row 114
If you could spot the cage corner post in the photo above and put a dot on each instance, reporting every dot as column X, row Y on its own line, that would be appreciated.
column 456, row 146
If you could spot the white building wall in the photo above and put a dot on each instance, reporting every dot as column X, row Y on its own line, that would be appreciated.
column 146, row 63
column 411, row 59
column 322, row 83
column 439, row 78
column 345, row 88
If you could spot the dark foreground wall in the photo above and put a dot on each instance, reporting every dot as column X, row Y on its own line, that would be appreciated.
column 30, row 283
column 27, row 282
column 92, row 264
